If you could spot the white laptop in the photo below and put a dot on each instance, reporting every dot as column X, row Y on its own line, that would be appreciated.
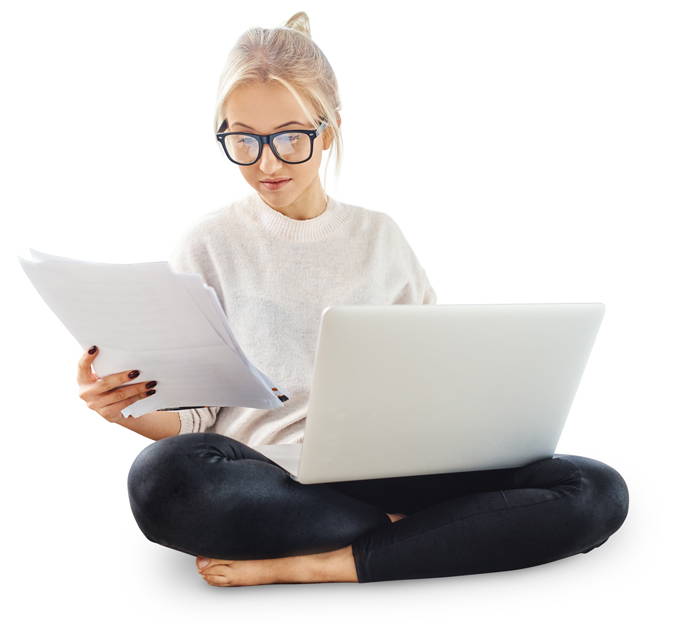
column 403, row 390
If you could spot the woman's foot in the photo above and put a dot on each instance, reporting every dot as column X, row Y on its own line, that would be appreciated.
column 334, row 565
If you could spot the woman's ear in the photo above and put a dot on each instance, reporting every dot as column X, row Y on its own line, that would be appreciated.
column 329, row 134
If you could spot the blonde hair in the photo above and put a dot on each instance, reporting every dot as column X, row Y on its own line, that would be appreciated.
column 288, row 55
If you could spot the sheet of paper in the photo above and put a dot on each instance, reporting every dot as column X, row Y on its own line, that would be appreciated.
column 168, row 325
column 193, row 283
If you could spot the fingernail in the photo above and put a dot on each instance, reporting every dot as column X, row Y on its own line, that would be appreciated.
column 92, row 349
column 134, row 374
column 149, row 385
column 151, row 392
column 202, row 563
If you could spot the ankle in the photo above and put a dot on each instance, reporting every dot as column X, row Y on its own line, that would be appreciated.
column 335, row 565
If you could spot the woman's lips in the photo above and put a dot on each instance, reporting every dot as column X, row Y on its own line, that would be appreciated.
column 275, row 185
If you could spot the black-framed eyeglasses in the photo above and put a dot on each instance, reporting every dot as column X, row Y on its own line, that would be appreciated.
column 292, row 147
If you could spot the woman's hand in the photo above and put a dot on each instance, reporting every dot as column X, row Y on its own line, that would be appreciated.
column 106, row 395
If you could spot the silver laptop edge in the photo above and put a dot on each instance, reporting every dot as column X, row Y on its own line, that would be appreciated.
column 402, row 390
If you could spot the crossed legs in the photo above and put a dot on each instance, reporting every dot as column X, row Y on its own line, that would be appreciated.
column 214, row 497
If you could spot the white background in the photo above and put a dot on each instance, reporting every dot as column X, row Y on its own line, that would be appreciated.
column 548, row 178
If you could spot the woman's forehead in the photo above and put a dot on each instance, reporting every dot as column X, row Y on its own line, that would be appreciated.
column 250, row 127
column 250, row 109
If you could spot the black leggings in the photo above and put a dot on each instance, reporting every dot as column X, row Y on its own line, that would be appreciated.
column 211, row 495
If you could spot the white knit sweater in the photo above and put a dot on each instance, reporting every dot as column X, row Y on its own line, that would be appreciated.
column 274, row 275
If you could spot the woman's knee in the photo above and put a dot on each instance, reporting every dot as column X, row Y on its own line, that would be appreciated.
column 154, row 479
column 176, row 477
column 603, row 498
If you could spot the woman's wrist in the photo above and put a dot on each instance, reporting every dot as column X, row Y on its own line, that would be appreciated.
column 155, row 425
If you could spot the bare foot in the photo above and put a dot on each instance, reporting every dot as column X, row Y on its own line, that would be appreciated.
column 335, row 565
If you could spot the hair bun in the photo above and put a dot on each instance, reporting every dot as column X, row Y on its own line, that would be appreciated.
column 299, row 22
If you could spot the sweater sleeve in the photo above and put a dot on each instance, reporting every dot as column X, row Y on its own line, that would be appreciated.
column 197, row 419
column 418, row 288
column 428, row 296
column 189, row 256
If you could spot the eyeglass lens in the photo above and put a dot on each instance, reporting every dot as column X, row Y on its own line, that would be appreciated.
column 292, row 147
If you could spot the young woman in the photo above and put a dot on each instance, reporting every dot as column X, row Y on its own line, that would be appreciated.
column 276, row 258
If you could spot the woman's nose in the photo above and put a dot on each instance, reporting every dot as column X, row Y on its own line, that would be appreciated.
column 268, row 161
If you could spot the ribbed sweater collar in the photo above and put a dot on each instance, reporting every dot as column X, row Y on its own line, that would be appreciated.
column 287, row 228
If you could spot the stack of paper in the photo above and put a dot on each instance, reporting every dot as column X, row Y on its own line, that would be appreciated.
column 170, row 326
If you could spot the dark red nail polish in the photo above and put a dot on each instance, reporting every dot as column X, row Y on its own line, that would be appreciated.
column 151, row 384
column 134, row 374
column 151, row 392
column 92, row 349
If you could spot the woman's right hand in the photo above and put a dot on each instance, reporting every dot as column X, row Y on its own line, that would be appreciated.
column 106, row 395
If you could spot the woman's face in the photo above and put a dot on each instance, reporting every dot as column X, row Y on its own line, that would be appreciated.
column 268, row 108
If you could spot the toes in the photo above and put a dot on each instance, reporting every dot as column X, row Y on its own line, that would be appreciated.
column 210, row 562
column 219, row 570
column 217, row 580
